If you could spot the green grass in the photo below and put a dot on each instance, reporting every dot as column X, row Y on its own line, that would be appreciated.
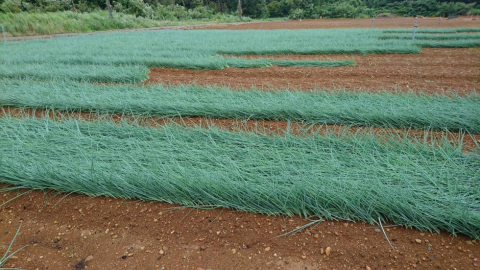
column 432, row 30
column 432, row 37
column 212, row 49
column 202, row 47
column 447, row 44
column 6, row 256
column 357, row 177
column 89, row 73
column 26, row 24
column 437, row 38
column 335, row 107
column 262, row 62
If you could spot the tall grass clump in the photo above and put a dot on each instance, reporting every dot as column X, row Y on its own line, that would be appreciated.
column 398, row 110
column 336, row 176
column 22, row 24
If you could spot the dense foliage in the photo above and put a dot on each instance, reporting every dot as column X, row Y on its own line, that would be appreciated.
column 203, row 9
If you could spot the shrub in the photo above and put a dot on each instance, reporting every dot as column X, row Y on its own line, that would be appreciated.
column 11, row 6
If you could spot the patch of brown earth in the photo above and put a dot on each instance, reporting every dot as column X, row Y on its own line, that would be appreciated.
column 399, row 22
column 433, row 71
column 77, row 232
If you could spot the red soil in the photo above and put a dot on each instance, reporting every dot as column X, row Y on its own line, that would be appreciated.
column 433, row 71
column 101, row 233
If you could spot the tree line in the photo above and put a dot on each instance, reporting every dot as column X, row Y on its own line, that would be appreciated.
column 295, row 9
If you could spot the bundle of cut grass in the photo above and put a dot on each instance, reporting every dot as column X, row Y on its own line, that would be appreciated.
column 328, row 107
column 88, row 73
column 432, row 37
column 335, row 176
column 449, row 44
column 433, row 30
column 263, row 62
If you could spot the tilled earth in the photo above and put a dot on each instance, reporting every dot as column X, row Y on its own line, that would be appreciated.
column 433, row 71
column 78, row 232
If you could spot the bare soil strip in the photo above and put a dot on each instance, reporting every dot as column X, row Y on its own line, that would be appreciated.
column 399, row 22
column 433, row 71
column 103, row 233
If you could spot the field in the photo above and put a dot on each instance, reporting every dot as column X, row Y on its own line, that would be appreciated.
column 235, row 148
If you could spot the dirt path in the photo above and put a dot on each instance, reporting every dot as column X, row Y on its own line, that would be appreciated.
column 433, row 71
column 100, row 233
column 399, row 22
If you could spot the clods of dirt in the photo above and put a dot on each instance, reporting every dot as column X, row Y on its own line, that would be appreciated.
column 183, row 238
column 433, row 71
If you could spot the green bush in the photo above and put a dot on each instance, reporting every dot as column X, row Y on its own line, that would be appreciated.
column 70, row 22
column 11, row 6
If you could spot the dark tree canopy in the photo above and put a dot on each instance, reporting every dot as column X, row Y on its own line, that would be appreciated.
column 180, row 9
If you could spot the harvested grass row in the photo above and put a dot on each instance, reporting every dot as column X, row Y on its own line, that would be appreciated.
column 433, row 30
column 356, row 177
column 373, row 49
column 432, row 37
column 449, row 44
column 397, row 110
column 88, row 73
column 262, row 62
column 197, row 49
column 468, row 142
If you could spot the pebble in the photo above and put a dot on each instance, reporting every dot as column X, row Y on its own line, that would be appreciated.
column 267, row 249
column 419, row 241
column 304, row 257
column 368, row 268
column 328, row 251
column 234, row 250
column 377, row 230
column 89, row 258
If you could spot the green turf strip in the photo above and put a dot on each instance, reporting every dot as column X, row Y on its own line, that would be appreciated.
column 349, row 177
column 88, row 73
column 329, row 107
